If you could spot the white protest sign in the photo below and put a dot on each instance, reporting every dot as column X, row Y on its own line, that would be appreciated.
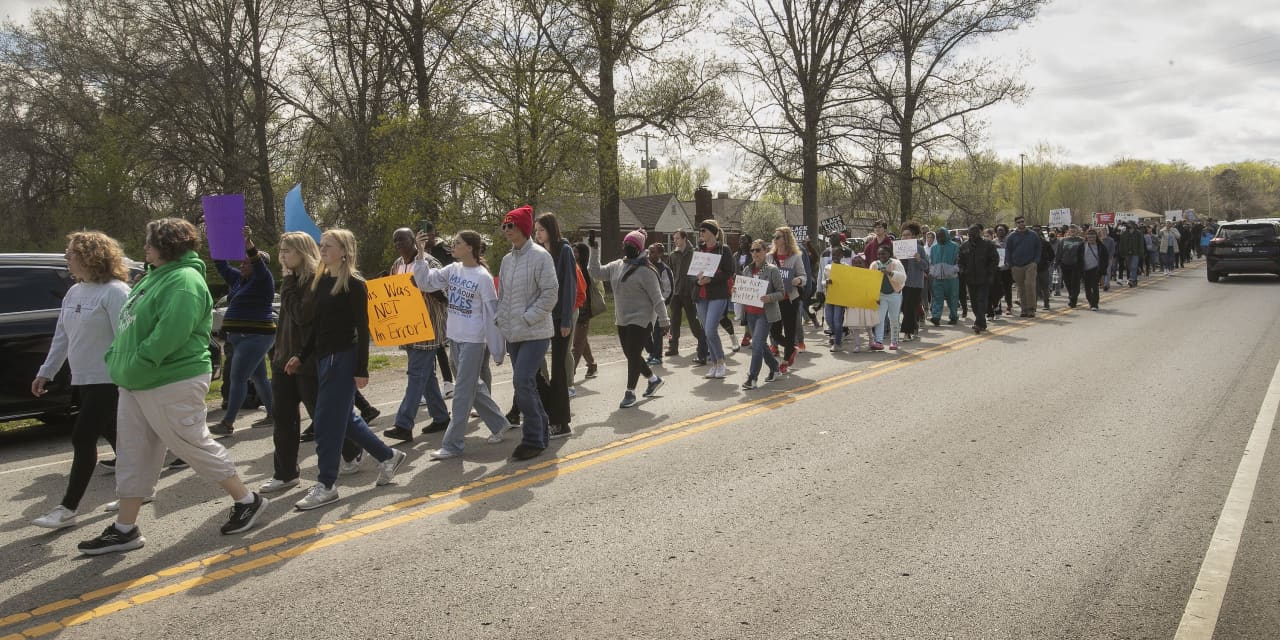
column 905, row 249
column 704, row 264
column 1173, row 216
column 748, row 291
column 1000, row 251
column 801, row 232
column 1127, row 217
column 1059, row 217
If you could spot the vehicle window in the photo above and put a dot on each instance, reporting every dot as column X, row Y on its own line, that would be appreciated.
column 1248, row 232
column 31, row 289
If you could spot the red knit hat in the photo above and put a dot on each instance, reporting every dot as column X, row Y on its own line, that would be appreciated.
column 522, row 217
column 636, row 239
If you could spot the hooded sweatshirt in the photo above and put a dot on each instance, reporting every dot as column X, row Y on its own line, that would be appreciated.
column 163, row 336
column 945, row 252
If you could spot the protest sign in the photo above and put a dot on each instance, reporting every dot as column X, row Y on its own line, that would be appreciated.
column 748, row 291
column 1000, row 252
column 801, row 232
column 704, row 263
column 1104, row 218
column 224, row 225
column 833, row 225
column 1173, row 216
column 854, row 287
column 1127, row 217
column 1059, row 217
column 295, row 215
column 1189, row 215
column 905, row 249
column 397, row 312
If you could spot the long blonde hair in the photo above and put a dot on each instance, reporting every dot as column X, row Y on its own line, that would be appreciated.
column 305, row 246
column 789, row 238
column 347, row 269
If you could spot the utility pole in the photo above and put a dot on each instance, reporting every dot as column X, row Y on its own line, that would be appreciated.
column 648, row 162
column 1022, row 178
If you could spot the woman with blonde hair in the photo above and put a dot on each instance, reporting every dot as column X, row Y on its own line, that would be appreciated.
column 86, row 326
column 340, row 344
column 785, row 255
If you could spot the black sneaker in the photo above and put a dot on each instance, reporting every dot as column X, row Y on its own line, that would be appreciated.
column 370, row 415
column 243, row 516
column 398, row 433
column 558, row 431
column 221, row 428
column 178, row 463
column 513, row 417
column 653, row 387
column 265, row 421
column 526, row 452
column 308, row 435
column 436, row 426
column 749, row 385
column 108, row 465
column 111, row 540
column 773, row 375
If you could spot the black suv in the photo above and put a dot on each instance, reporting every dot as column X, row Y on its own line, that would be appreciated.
column 1244, row 246
column 31, row 290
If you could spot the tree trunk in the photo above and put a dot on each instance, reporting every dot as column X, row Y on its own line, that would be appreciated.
column 809, row 177
column 607, row 159
column 253, row 9
column 905, row 181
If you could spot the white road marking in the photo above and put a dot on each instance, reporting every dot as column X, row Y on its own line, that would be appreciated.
column 1200, row 618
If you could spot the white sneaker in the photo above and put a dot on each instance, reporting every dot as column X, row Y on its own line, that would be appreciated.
column 114, row 505
column 720, row 370
column 448, row 390
column 273, row 485
column 573, row 392
column 317, row 496
column 711, row 371
column 58, row 518
column 441, row 454
column 349, row 468
column 494, row 438
column 388, row 468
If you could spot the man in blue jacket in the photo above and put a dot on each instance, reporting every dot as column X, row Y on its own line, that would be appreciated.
column 1022, row 252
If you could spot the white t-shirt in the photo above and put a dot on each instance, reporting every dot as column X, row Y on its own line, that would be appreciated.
column 86, row 327
column 473, row 300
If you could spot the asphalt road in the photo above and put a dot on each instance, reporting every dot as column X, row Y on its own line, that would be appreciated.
column 1058, row 478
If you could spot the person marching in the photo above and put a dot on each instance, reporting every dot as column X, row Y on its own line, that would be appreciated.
column 712, row 295
column 944, row 257
column 895, row 277
column 834, row 314
column 250, row 328
column 760, row 319
column 785, row 254
column 340, row 344
column 85, row 329
column 581, row 346
column 637, row 306
column 420, row 368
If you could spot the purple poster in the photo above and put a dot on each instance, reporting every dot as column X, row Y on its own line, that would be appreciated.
column 224, row 225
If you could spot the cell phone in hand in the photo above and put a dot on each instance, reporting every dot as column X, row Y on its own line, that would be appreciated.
column 591, row 237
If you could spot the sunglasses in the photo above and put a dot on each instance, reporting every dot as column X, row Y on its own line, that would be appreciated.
column 757, row 250
column 508, row 225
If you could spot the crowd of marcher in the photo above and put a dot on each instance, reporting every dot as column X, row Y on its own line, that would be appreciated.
column 140, row 359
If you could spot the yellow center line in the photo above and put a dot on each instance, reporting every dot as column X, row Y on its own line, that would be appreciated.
column 562, row 465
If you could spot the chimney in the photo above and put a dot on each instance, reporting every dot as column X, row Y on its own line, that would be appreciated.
column 702, row 204
column 723, row 195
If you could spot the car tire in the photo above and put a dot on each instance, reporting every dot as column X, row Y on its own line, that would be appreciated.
column 1212, row 275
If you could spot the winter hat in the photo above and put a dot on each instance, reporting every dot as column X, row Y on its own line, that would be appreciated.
column 636, row 239
column 522, row 217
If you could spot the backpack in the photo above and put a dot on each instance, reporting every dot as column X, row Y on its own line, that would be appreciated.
column 1067, row 251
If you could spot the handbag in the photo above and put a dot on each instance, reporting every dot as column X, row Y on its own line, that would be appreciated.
column 595, row 299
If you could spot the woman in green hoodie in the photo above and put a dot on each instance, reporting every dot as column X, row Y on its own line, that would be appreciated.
column 944, row 257
column 160, row 361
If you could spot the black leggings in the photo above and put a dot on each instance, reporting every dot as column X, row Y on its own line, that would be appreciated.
column 633, row 339
column 784, row 330
column 97, row 418
column 442, row 358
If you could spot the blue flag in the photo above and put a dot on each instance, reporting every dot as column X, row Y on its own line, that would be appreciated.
column 295, row 215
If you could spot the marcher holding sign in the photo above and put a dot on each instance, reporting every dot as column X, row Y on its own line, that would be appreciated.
column 749, row 291
column 854, row 287
column 761, row 314
column 905, row 249
column 340, row 344
column 397, row 313
column 704, row 264
column 1059, row 217
column 224, row 225
column 833, row 225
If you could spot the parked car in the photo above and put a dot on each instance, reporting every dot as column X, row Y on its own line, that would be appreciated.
column 1244, row 246
column 220, row 312
column 31, row 289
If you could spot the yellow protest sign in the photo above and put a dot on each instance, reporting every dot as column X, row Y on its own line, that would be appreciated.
column 854, row 287
column 397, row 312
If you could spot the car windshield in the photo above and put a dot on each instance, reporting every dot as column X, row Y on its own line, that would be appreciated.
column 1248, row 232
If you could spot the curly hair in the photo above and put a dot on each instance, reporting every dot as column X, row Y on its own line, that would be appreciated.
column 172, row 237
column 101, row 255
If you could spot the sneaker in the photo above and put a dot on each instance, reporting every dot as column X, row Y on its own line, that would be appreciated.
column 720, row 370
column 447, row 388
column 108, row 466
column 791, row 361
column 178, row 464
column 513, row 418
column 58, row 518
column 317, row 496
column 275, row 486
column 835, row 348
column 388, row 468
column 436, row 426
column 494, row 438
column 746, row 341
column 876, row 346
column 265, row 421
column 111, row 540
column 801, row 346
column 370, row 415
column 893, row 346
column 629, row 398
column 699, row 361
column 711, row 372
column 653, row 361
column 573, row 392
column 398, row 433
column 308, row 435
column 749, row 385
column 114, row 505
column 671, row 352
column 951, row 321
column 443, row 454
column 351, row 466
column 221, row 428
column 857, row 348
column 653, row 387
column 937, row 322
column 243, row 516
column 526, row 452
column 592, row 370
column 557, row 431
column 736, row 346
column 773, row 375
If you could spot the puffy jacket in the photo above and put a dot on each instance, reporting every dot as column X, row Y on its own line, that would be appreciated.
column 527, row 292
column 978, row 261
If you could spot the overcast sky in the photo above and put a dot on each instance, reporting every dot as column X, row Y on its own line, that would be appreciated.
column 1152, row 79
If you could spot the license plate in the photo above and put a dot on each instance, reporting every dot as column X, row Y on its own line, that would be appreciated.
column 1244, row 249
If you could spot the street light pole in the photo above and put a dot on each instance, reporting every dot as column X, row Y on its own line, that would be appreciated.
column 1022, row 178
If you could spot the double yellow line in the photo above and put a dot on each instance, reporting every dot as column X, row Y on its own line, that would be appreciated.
column 245, row 559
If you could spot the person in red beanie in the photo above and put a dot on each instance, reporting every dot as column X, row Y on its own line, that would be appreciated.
column 527, row 293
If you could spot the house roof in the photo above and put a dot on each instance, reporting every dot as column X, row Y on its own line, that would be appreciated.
column 648, row 210
column 583, row 212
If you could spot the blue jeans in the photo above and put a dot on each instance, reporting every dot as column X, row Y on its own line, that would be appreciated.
column 249, row 363
column 945, row 291
column 470, row 359
column 759, row 326
column 709, row 314
column 1133, row 269
column 336, row 418
column 890, row 312
column 421, row 373
column 835, row 321
column 526, row 358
